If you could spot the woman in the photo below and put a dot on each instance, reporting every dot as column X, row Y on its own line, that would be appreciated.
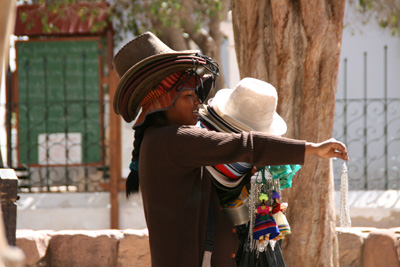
column 170, row 152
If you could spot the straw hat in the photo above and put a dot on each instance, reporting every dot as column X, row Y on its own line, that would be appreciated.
column 250, row 106
column 142, row 64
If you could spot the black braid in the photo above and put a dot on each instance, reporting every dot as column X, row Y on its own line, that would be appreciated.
column 154, row 119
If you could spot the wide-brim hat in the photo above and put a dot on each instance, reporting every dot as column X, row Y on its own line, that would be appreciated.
column 141, row 65
column 250, row 106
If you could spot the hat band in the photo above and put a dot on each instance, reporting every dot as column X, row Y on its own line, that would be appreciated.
column 165, row 85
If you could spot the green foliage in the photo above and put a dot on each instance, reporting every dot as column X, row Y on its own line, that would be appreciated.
column 60, row 7
column 136, row 17
column 385, row 12
column 24, row 16
column 133, row 16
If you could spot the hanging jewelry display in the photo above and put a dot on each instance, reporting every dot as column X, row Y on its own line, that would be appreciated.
column 345, row 221
column 268, row 222
column 263, row 228
column 255, row 189
column 276, row 185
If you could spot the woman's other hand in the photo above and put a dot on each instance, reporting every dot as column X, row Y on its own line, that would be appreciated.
column 328, row 149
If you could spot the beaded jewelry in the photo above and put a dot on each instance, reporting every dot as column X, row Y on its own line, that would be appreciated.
column 345, row 221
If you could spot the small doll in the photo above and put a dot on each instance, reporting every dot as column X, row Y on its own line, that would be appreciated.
column 280, row 218
column 265, row 227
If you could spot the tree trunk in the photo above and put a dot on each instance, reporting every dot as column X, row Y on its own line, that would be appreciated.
column 295, row 46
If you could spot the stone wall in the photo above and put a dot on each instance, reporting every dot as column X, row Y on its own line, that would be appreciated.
column 364, row 247
column 71, row 248
column 369, row 247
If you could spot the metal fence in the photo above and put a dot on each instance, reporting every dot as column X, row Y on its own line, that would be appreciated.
column 58, row 144
column 68, row 177
column 371, row 129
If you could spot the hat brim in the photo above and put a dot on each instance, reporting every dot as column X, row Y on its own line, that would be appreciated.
column 277, row 127
column 140, row 82
column 221, row 122
column 138, row 92
column 142, row 67
column 157, row 57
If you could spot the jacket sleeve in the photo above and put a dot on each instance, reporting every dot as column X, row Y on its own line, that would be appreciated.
column 190, row 146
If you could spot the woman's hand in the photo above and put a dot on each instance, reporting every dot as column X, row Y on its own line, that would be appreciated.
column 327, row 149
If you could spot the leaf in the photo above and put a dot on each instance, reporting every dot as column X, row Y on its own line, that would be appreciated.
column 30, row 25
column 23, row 16
column 394, row 19
column 45, row 25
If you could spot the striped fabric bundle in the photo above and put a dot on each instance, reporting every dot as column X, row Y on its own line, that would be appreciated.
column 229, row 175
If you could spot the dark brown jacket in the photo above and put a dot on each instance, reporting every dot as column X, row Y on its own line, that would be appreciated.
column 176, row 189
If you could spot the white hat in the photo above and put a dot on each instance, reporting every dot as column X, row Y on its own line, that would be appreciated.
column 251, row 106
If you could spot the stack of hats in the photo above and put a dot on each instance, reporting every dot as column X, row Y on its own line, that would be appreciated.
column 143, row 63
column 250, row 106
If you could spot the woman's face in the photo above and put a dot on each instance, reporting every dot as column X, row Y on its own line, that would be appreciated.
column 185, row 110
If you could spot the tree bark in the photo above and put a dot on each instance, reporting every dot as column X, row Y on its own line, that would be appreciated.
column 295, row 46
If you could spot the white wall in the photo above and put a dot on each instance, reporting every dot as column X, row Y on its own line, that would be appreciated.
column 76, row 211
column 91, row 211
column 369, row 38
column 228, row 54
column 359, row 38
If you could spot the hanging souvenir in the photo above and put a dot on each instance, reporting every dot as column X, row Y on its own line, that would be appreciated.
column 264, row 252
column 265, row 227
column 345, row 221
column 258, row 184
column 278, row 213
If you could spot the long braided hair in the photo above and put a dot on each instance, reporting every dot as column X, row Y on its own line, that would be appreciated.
column 151, row 119
column 154, row 119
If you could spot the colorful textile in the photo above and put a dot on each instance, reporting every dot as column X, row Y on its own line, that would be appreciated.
column 265, row 224
column 282, row 223
column 244, row 194
column 280, row 218
column 234, row 170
